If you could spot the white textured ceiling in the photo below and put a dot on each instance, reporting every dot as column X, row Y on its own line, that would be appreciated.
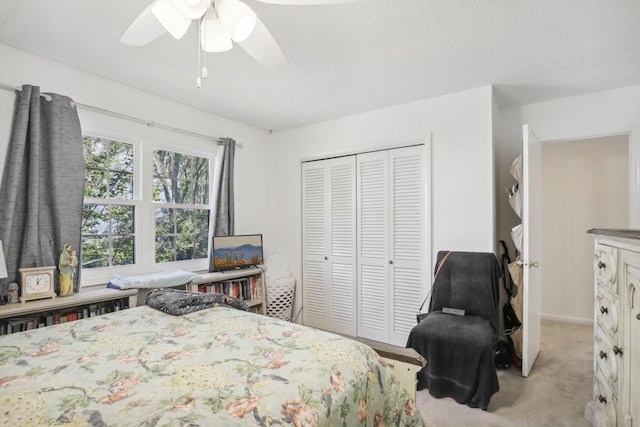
column 346, row 59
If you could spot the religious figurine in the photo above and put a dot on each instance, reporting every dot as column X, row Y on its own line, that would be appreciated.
column 13, row 293
column 67, row 266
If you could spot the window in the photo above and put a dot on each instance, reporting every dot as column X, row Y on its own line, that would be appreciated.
column 182, row 181
column 108, row 230
column 143, row 207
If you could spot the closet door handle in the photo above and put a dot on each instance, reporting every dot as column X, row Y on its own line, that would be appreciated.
column 638, row 316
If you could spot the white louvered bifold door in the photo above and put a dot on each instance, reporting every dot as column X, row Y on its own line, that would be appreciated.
column 407, row 275
column 391, row 242
column 342, row 246
column 373, row 246
column 329, row 244
column 315, row 238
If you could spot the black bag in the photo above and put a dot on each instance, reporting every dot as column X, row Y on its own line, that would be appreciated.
column 511, row 321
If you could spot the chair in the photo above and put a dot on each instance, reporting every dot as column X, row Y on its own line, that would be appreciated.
column 460, row 348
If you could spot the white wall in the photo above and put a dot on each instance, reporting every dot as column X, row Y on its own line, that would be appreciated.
column 585, row 184
column 462, row 174
column 252, row 174
column 598, row 114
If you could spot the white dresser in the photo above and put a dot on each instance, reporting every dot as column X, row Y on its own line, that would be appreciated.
column 616, row 365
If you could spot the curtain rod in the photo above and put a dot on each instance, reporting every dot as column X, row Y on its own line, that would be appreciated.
column 148, row 123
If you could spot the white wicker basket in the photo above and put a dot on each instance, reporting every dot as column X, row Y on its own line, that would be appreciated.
column 280, row 295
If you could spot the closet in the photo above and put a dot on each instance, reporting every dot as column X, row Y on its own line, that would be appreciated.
column 364, row 243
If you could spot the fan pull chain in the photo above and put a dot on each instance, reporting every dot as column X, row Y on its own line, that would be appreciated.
column 198, row 80
column 205, row 72
column 202, row 56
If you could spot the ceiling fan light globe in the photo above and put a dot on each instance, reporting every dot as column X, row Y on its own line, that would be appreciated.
column 192, row 9
column 237, row 19
column 212, row 35
column 170, row 18
column 244, row 28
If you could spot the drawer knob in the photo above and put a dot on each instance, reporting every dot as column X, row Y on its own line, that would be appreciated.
column 603, row 355
column 617, row 350
column 602, row 399
column 603, row 309
column 601, row 265
column 638, row 316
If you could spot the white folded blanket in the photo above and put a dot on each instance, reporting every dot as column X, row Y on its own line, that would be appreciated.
column 161, row 279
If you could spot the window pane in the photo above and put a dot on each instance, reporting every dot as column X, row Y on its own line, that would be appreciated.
column 161, row 190
column 122, row 220
column 184, row 221
column 95, row 184
column 181, row 234
column 201, row 246
column 200, row 178
column 121, row 156
column 94, row 252
column 165, row 223
column 95, row 152
column 164, row 249
column 109, row 168
column 202, row 221
column 95, row 220
column 180, row 178
column 122, row 251
column 107, row 235
column 121, row 185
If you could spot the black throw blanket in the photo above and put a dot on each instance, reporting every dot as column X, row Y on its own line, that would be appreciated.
column 460, row 348
column 178, row 302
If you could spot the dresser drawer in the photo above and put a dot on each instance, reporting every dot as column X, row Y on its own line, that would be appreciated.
column 606, row 309
column 605, row 264
column 607, row 358
column 604, row 404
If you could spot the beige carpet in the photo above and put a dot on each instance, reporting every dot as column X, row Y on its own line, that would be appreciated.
column 554, row 394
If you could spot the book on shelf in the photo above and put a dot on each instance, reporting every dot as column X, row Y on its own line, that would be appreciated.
column 244, row 288
column 62, row 315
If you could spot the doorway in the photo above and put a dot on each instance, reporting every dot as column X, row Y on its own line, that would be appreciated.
column 585, row 184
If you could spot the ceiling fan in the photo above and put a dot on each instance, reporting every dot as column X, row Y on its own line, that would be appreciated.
column 221, row 23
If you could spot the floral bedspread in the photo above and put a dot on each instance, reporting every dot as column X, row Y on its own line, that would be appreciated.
column 215, row 367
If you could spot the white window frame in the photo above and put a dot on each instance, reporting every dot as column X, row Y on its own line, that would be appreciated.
column 145, row 141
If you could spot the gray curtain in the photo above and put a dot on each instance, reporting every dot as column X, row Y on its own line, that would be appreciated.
column 224, row 221
column 43, row 183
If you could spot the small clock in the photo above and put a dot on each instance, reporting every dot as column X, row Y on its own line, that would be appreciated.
column 37, row 282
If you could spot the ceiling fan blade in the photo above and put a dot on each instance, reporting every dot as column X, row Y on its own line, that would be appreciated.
column 144, row 29
column 170, row 18
column 308, row 2
column 262, row 47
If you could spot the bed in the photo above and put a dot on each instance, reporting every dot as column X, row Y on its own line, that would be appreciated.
column 216, row 366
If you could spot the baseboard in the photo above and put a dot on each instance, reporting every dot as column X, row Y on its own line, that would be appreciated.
column 566, row 319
